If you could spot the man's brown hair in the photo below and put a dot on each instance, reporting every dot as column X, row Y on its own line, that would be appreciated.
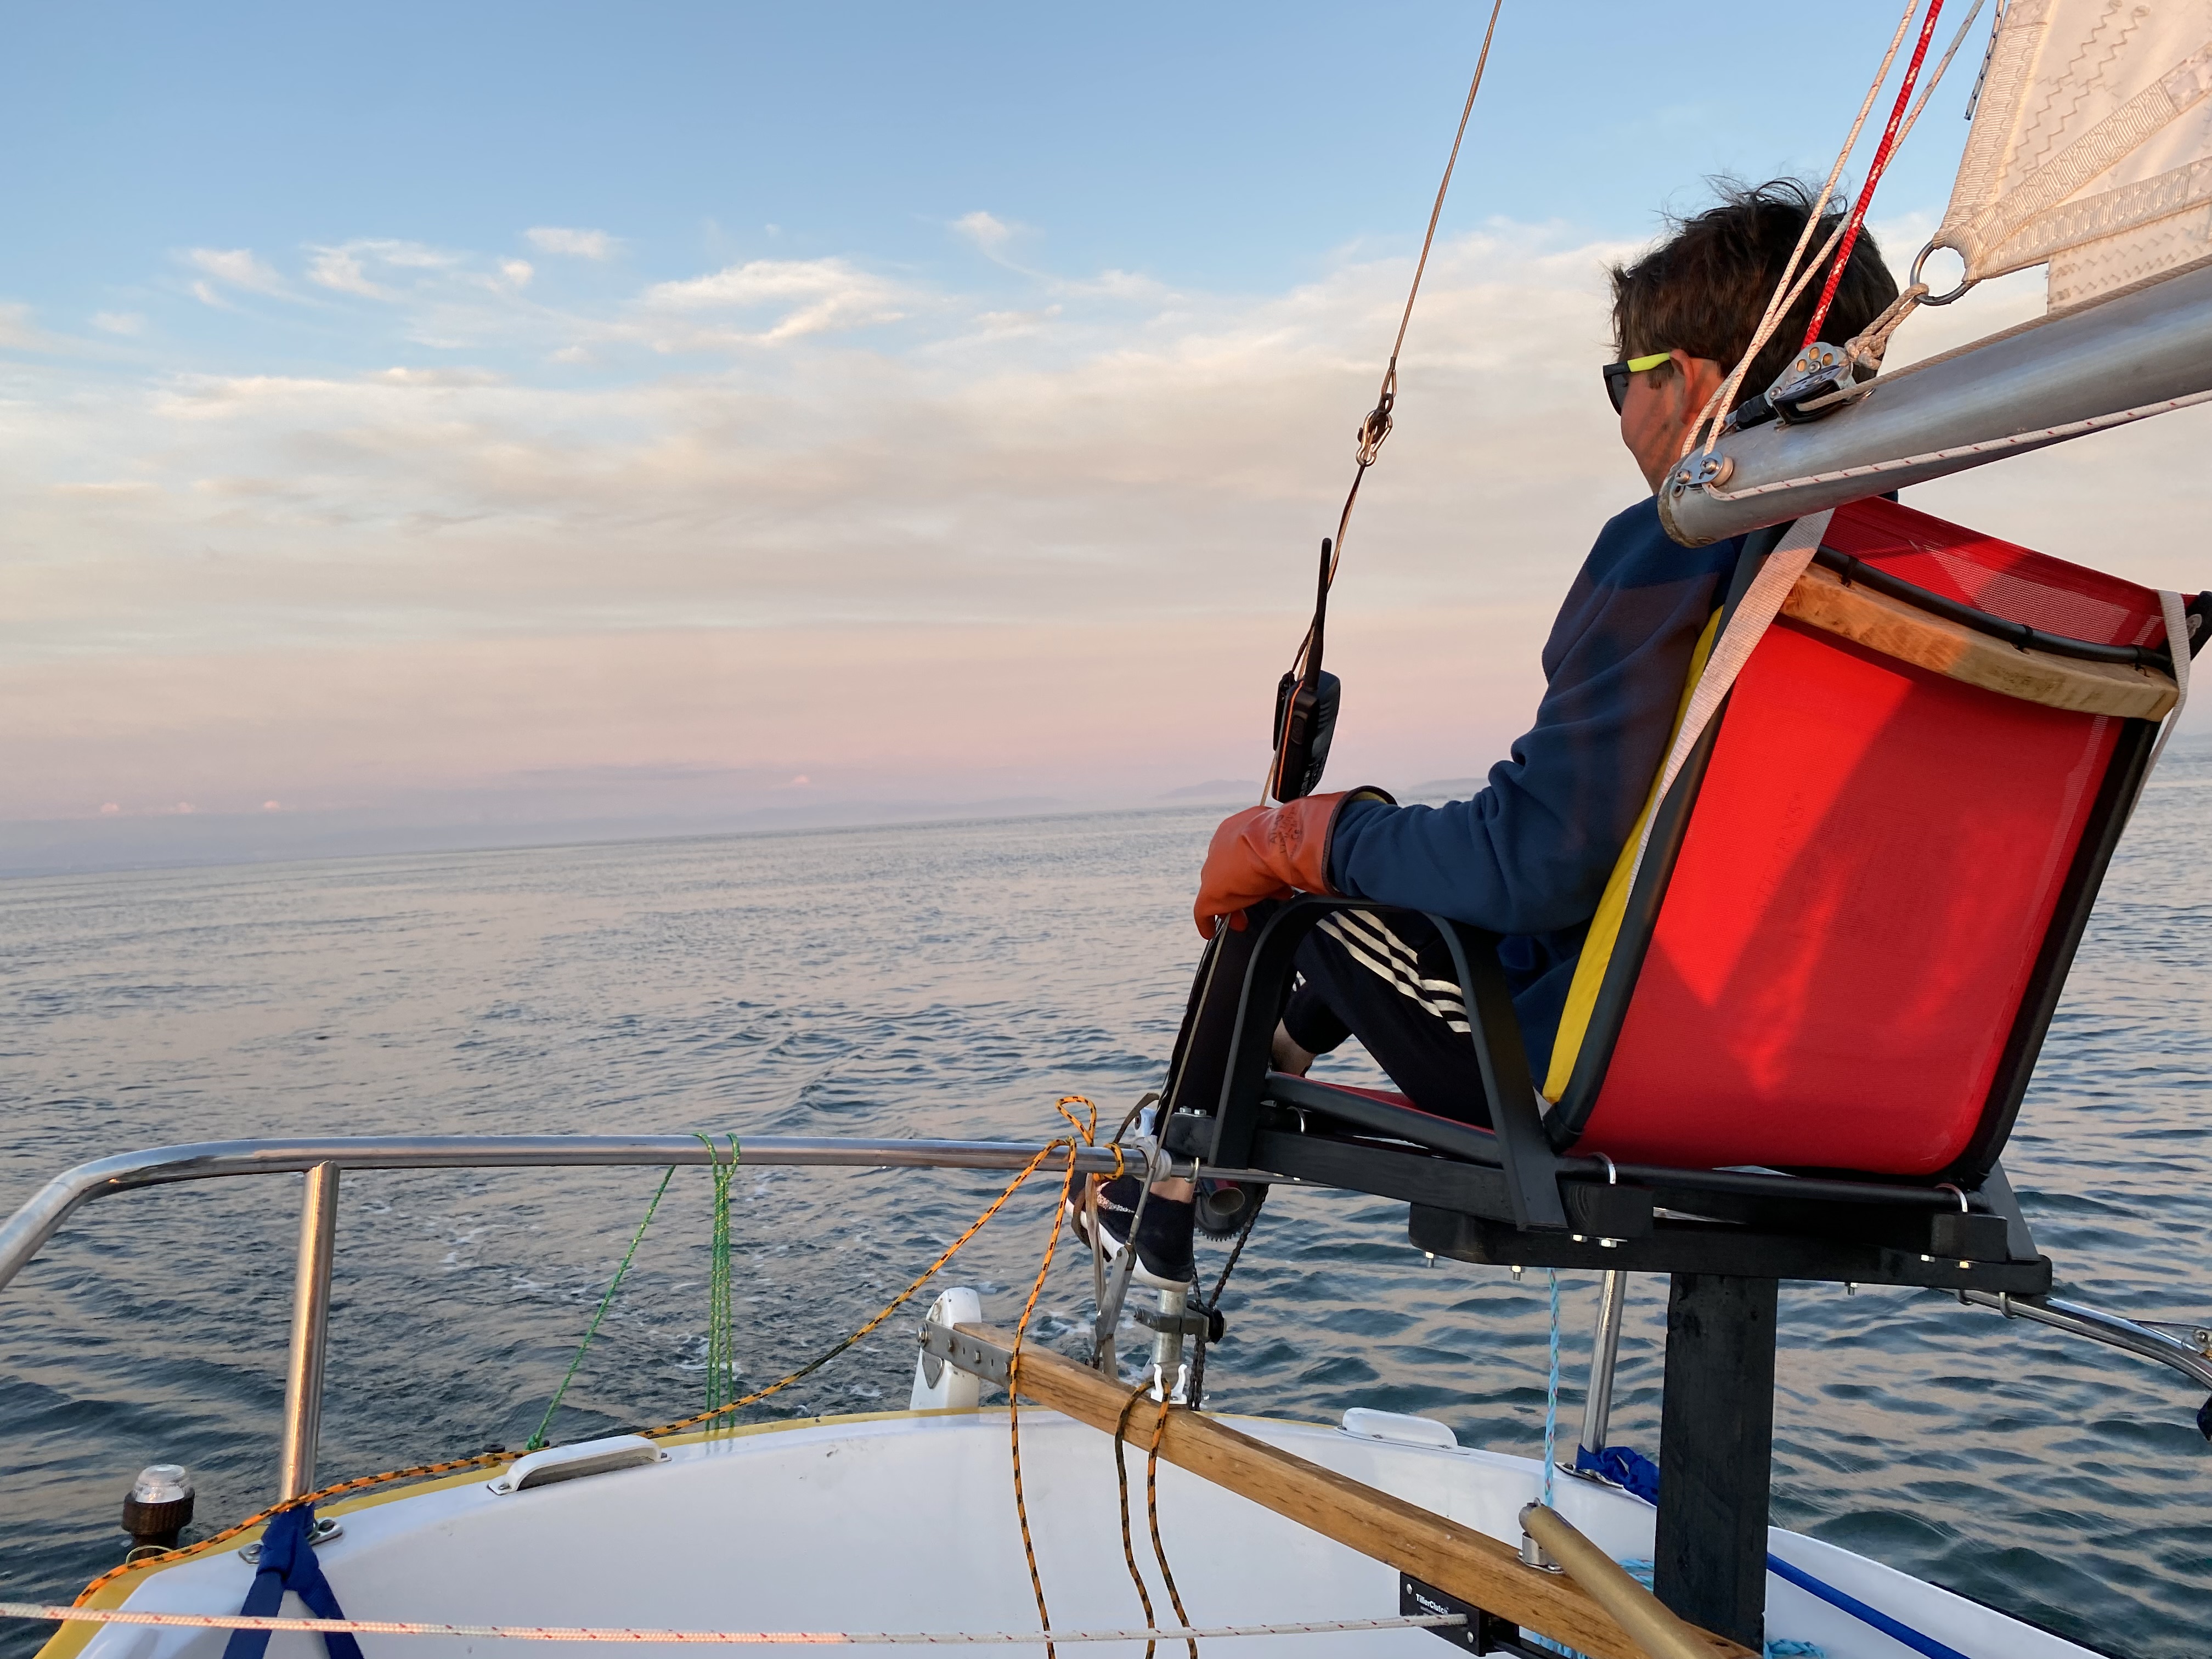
column 1704, row 289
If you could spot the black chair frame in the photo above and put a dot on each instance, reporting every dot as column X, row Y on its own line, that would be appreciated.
column 1509, row 1195
column 1517, row 1195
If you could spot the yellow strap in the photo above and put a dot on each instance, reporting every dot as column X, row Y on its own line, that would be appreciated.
column 1605, row 925
column 1637, row 365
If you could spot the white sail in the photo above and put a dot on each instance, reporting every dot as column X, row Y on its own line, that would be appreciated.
column 2091, row 149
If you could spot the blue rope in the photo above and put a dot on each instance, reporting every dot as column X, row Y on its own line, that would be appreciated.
column 1636, row 1473
column 1892, row 1628
column 288, row 1563
column 1552, row 1394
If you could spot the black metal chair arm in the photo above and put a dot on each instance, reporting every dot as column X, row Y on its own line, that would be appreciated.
column 1266, row 950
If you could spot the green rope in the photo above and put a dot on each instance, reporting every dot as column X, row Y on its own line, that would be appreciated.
column 538, row 1440
column 721, row 1344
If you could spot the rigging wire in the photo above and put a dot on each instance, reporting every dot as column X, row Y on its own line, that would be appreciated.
column 538, row 1439
column 1552, row 1394
column 1723, row 398
column 1874, row 170
column 1376, row 427
column 1795, row 278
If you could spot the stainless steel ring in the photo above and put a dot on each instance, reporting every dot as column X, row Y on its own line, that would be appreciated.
column 1913, row 280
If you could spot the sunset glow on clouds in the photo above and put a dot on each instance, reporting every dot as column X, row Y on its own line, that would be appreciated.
column 986, row 558
column 543, row 524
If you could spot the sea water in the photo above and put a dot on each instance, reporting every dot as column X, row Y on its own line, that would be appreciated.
column 955, row 980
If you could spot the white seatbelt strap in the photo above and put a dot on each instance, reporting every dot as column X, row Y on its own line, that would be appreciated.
column 2176, row 610
column 1760, row 605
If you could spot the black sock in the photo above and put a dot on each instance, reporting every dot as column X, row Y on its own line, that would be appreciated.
column 1163, row 1237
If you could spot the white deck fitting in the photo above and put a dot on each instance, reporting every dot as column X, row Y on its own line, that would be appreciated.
column 906, row 1522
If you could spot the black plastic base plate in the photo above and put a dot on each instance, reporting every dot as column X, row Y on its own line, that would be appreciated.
column 1484, row 1632
column 1677, row 1247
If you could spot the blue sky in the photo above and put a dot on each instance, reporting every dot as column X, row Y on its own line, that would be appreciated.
column 676, row 413
column 1227, row 148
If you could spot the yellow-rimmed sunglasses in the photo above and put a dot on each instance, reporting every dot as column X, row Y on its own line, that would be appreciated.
column 1616, row 374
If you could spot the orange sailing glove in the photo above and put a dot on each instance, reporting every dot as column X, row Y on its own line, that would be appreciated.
column 1269, row 852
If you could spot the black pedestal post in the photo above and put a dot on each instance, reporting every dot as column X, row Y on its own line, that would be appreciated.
column 1717, row 1453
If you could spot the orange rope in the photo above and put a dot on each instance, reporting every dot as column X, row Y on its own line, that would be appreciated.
column 1121, row 1475
column 1152, row 1515
column 1087, row 1134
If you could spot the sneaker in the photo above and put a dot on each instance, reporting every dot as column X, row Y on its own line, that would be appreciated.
column 1164, row 1252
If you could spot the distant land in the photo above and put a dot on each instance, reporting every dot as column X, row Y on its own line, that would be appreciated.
column 54, row 846
column 85, row 846
column 1244, row 792
column 1443, row 789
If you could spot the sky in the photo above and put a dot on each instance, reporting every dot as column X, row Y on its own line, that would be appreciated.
column 453, row 422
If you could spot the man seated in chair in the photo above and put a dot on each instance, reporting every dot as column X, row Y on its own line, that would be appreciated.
column 1529, row 856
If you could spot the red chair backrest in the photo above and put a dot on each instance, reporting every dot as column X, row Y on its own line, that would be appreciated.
column 1865, row 883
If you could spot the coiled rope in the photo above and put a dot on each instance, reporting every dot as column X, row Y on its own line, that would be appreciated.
column 722, row 1338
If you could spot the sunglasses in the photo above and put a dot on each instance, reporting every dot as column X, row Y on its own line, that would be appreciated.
column 1616, row 374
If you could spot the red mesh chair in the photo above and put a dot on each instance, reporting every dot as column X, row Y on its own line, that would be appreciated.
column 1872, row 892
column 1835, row 964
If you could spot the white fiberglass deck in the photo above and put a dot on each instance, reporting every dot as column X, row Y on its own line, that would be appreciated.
column 905, row 1521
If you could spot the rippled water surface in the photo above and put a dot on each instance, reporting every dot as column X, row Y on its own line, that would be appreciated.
column 954, row 980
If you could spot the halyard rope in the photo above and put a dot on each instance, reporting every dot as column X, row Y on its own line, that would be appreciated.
column 1376, row 427
column 795, row 1638
column 1152, row 1511
column 1212, row 1307
column 1785, row 295
column 1882, row 151
column 1795, row 278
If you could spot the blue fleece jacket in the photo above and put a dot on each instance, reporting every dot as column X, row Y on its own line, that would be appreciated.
column 1529, row 855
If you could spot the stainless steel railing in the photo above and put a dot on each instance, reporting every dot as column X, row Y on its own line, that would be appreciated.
column 2185, row 1348
column 26, row 1233
column 311, row 1326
